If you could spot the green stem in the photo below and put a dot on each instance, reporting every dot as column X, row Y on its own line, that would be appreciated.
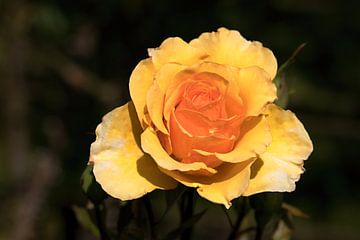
column 100, row 223
column 241, row 214
column 150, row 216
column 186, row 212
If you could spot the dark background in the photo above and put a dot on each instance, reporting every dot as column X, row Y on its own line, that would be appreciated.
column 64, row 64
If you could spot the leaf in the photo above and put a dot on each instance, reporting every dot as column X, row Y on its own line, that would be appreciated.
column 282, row 91
column 84, row 218
column 171, row 197
column 294, row 211
column 291, row 59
column 185, row 225
column 282, row 232
column 90, row 187
column 125, row 216
column 280, row 80
column 267, row 208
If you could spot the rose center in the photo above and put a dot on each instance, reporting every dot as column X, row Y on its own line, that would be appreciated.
column 200, row 121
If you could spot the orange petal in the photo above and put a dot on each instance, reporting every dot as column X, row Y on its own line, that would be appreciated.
column 141, row 80
column 189, row 130
column 229, row 47
column 177, row 51
column 282, row 164
column 254, row 138
column 120, row 166
column 150, row 144
column 250, row 86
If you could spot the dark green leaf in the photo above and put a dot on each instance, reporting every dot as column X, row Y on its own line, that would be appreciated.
column 268, row 210
column 185, row 225
column 280, row 79
column 90, row 187
column 282, row 91
column 84, row 218
column 291, row 59
column 171, row 197
column 125, row 216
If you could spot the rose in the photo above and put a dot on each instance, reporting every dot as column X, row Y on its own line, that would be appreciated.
column 202, row 114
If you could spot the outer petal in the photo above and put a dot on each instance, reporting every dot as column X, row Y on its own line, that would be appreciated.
column 120, row 166
column 156, row 93
column 175, row 50
column 281, row 165
column 141, row 80
column 255, row 89
column 151, row 144
column 254, row 138
column 229, row 183
column 229, row 47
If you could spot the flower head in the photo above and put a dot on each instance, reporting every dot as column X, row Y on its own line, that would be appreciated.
column 201, row 114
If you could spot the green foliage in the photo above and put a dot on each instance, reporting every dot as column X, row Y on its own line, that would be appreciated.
column 84, row 218
column 267, row 208
column 185, row 225
column 90, row 187
column 280, row 78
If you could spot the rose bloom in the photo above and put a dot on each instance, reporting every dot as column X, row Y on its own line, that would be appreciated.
column 202, row 114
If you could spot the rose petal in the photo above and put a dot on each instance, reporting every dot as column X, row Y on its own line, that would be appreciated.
column 189, row 130
column 254, row 138
column 252, row 84
column 255, row 89
column 150, row 144
column 281, row 165
column 141, row 80
column 155, row 104
column 230, row 182
column 120, row 166
column 181, row 82
column 229, row 47
column 156, row 94
column 175, row 50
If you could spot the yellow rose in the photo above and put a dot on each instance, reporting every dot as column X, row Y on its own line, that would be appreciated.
column 202, row 115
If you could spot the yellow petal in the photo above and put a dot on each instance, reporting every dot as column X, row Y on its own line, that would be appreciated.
column 141, row 80
column 120, row 166
column 281, row 165
column 230, row 182
column 151, row 144
column 252, row 84
column 155, row 105
column 175, row 50
column 229, row 47
column 156, row 93
column 255, row 89
column 254, row 138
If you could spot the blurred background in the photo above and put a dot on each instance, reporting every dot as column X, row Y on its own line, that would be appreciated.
column 64, row 64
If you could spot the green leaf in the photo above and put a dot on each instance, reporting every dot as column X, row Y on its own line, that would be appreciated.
column 171, row 197
column 280, row 79
column 185, row 225
column 268, row 212
column 84, row 218
column 282, row 91
column 282, row 232
column 125, row 216
column 90, row 187
column 291, row 59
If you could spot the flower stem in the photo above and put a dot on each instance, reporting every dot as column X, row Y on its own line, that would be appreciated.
column 186, row 212
column 100, row 223
column 150, row 217
column 241, row 214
